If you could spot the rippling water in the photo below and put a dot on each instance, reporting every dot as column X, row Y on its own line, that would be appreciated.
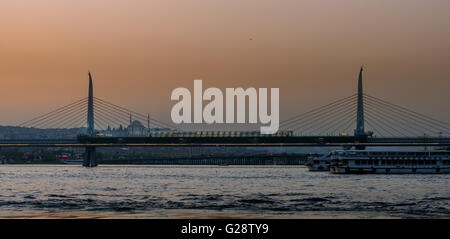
column 37, row 191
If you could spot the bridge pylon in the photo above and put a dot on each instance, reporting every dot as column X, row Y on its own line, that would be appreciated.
column 360, row 129
column 90, row 112
column 89, row 156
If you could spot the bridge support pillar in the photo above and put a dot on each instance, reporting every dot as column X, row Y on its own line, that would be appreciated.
column 89, row 157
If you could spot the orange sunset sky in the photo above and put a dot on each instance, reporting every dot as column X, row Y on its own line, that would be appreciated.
column 140, row 50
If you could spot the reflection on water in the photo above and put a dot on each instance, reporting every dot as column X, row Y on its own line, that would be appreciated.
column 37, row 191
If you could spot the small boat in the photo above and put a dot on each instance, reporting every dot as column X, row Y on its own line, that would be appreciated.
column 319, row 163
column 74, row 161
column 390, row 162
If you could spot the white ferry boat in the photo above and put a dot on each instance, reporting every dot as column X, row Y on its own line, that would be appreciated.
column 390, row 162
column 319, row 163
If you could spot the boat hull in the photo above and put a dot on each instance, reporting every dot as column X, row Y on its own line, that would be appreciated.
column 349, row 170
column 318, row 168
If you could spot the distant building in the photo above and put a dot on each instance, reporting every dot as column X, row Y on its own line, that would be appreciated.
column 136, row 128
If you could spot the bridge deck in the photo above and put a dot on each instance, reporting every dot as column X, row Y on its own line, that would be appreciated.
column 260, row 141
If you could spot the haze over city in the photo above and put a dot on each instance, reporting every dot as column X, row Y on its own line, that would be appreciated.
column 140, row 51
column 225, row 109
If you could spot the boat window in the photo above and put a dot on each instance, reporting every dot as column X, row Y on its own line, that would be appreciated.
column 358, row 162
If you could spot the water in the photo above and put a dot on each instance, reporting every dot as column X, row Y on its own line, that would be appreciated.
column 71, row 191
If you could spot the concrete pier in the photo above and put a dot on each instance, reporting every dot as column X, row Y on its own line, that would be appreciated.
column 89, row 157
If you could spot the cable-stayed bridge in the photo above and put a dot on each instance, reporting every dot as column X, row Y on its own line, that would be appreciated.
column 374, row 122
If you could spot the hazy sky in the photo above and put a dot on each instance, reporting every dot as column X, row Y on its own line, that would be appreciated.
column 140, row 50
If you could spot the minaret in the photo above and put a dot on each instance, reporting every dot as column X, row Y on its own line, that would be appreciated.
column 359, row 131
column 90, row 114
column 148, row 124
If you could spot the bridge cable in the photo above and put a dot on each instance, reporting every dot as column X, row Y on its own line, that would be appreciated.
column 116, row 118
column 319, row 120
column 60, row 116
column 326, row 120
column 57, row 119
column 407, row 117
column 63, row 120
column 111, row 112
column 316, row 109
column 69, row 122
column 396, row 119
column 370, row 116
column 127, row 111
column 389, row 117
column 340, row 123
column 76, row 120
column 52, row 112
column 419, row 115
column 313, row 118
column 333, row 118
column 292, row 120
column 369, row 123
column 136, row 113
column 36, row 120
column 379, row 127
column 101, row 121
column 352, row 121
column 412, row 119
column 323, row 113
